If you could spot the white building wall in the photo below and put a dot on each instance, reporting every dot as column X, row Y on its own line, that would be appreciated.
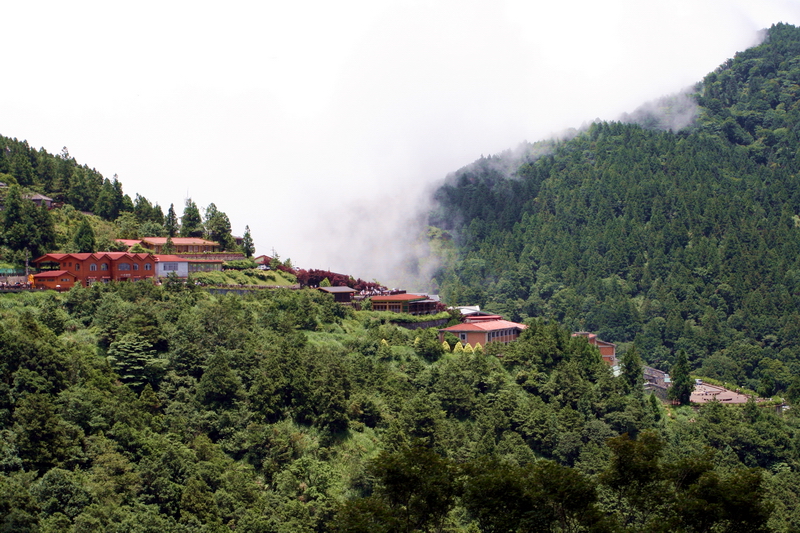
column 165, row 268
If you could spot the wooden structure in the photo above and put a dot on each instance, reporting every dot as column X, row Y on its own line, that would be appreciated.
column 57, row 280
column 342, row 295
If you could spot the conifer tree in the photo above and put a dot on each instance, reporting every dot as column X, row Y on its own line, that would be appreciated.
column 84, row 240
column 169, row 247
column 682, row 383
column 632, row 370
column 171, row 225
column 248, row 248
column 191, row 222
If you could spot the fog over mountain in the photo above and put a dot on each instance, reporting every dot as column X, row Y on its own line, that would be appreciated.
column 324, row 127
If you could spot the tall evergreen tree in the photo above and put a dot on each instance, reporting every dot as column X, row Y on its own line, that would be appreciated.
column 171, row 222
column 248, row 247
column 191, row 222
column 682, row 382
column 218, row 227
column 84, row 240
column 632, row 370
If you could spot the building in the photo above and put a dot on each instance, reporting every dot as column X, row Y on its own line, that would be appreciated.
column 171, row 264
column 40, row 200
column 608, row 350
column 485, row 331
column 413, row 304
column 57, row 280
column 205, row 265
column 182, row 245
column 656, row 381
column 97, row 267
column 182, row 266
column 342, row 295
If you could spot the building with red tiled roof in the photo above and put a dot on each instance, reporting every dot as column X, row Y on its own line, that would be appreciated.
column 182, row 245
column 413, row 304
column 484, row 332
column 57, row 280
column 608, row 350
column 100, row 267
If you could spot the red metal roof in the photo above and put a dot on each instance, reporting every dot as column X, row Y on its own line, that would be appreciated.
column 491, row 325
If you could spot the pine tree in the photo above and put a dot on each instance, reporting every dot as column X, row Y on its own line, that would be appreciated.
column 632, row 370
column 191, row 222
column 248, row 248
column 84, row 240
column 682, row 382
column 169, row 247
column 171, row 222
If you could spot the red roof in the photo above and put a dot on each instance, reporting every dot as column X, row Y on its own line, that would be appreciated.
column 399, row 298
column 114, row 256
column 491, row 325
column 173, row 258
column 53, row 274
column 179, row 241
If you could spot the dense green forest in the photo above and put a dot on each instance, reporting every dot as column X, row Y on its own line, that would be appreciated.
column 675, row 240
column 134, row 407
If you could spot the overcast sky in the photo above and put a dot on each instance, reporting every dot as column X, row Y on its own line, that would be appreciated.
column 318, row 123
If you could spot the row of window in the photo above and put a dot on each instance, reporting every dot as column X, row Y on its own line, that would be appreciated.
column 120, row 266
column 500, row 333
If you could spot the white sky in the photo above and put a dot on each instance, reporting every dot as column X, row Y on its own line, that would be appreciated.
column 318, row 123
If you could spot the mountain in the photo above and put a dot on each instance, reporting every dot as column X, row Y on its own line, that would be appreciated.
column 672, row 239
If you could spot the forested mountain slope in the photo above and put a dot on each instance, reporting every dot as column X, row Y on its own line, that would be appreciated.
column 674, row 240
column 130, row 407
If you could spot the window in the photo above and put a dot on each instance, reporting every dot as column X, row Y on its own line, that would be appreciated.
column 104, row 266
column 135, row 266
column 77, row 266
column 124, row 266
column 170, row 267
column 462, row 336
column 148, row 266
column 93, row 267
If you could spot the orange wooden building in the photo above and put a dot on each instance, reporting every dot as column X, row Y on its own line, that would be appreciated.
column 90, row 268
column 57, row 280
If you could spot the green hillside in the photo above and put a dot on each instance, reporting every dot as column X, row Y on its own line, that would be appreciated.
column 673, row 239
column 143, row 408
